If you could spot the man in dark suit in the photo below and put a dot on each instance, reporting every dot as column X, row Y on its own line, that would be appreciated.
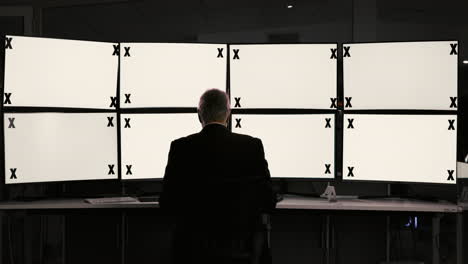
column 216, row 187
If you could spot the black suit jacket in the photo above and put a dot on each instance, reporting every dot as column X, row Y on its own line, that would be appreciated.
column 216, row 180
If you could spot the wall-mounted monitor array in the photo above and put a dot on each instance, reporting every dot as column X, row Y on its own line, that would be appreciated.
column 161, row 83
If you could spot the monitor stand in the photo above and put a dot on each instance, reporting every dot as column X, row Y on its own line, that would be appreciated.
column 329, row 193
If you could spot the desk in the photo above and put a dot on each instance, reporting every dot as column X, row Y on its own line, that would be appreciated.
column 390, row 205
column 290, row 202
column 61, row 204
column 74, row 204
column 379, row 205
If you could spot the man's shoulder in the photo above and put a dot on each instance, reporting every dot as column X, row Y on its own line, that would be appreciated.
column 246, row 139
column 236, row 137
column 186, row 139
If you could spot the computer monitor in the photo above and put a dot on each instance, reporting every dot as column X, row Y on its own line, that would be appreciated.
column 400, row 148
column 146, row 139
column 296, row 146
column 281, row 76
column 166, row 75
column 48, row 147
column 401, row 75
column 44, row 72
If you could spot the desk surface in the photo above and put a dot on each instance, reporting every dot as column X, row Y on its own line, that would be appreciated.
column 353, row 204
column 289, row 202
column 70, row 204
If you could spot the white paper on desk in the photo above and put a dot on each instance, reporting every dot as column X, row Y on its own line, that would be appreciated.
column 45, row 147
column 395, row 75
column 170, row 74
column 146, row 143
column 400, row 148
column 296, row 146
column 283, row 75
column 43, row 72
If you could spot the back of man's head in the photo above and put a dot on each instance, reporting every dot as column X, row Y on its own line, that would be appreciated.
column 214, row 107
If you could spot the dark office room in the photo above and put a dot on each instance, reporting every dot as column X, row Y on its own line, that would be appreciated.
column 234, row 132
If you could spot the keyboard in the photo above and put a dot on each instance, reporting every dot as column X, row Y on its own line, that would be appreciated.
column 111, row 200
column 149, row 199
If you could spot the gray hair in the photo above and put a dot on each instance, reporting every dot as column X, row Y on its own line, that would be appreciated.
column 214, row 106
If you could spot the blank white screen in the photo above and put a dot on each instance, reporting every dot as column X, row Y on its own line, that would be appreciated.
column 45, row 147
column 43, row 72
column 401, row 148
column 283, row 76
column 462, row 170
column 296, row 146
column 170, row 75
column 412, row 75
column 145, row 145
